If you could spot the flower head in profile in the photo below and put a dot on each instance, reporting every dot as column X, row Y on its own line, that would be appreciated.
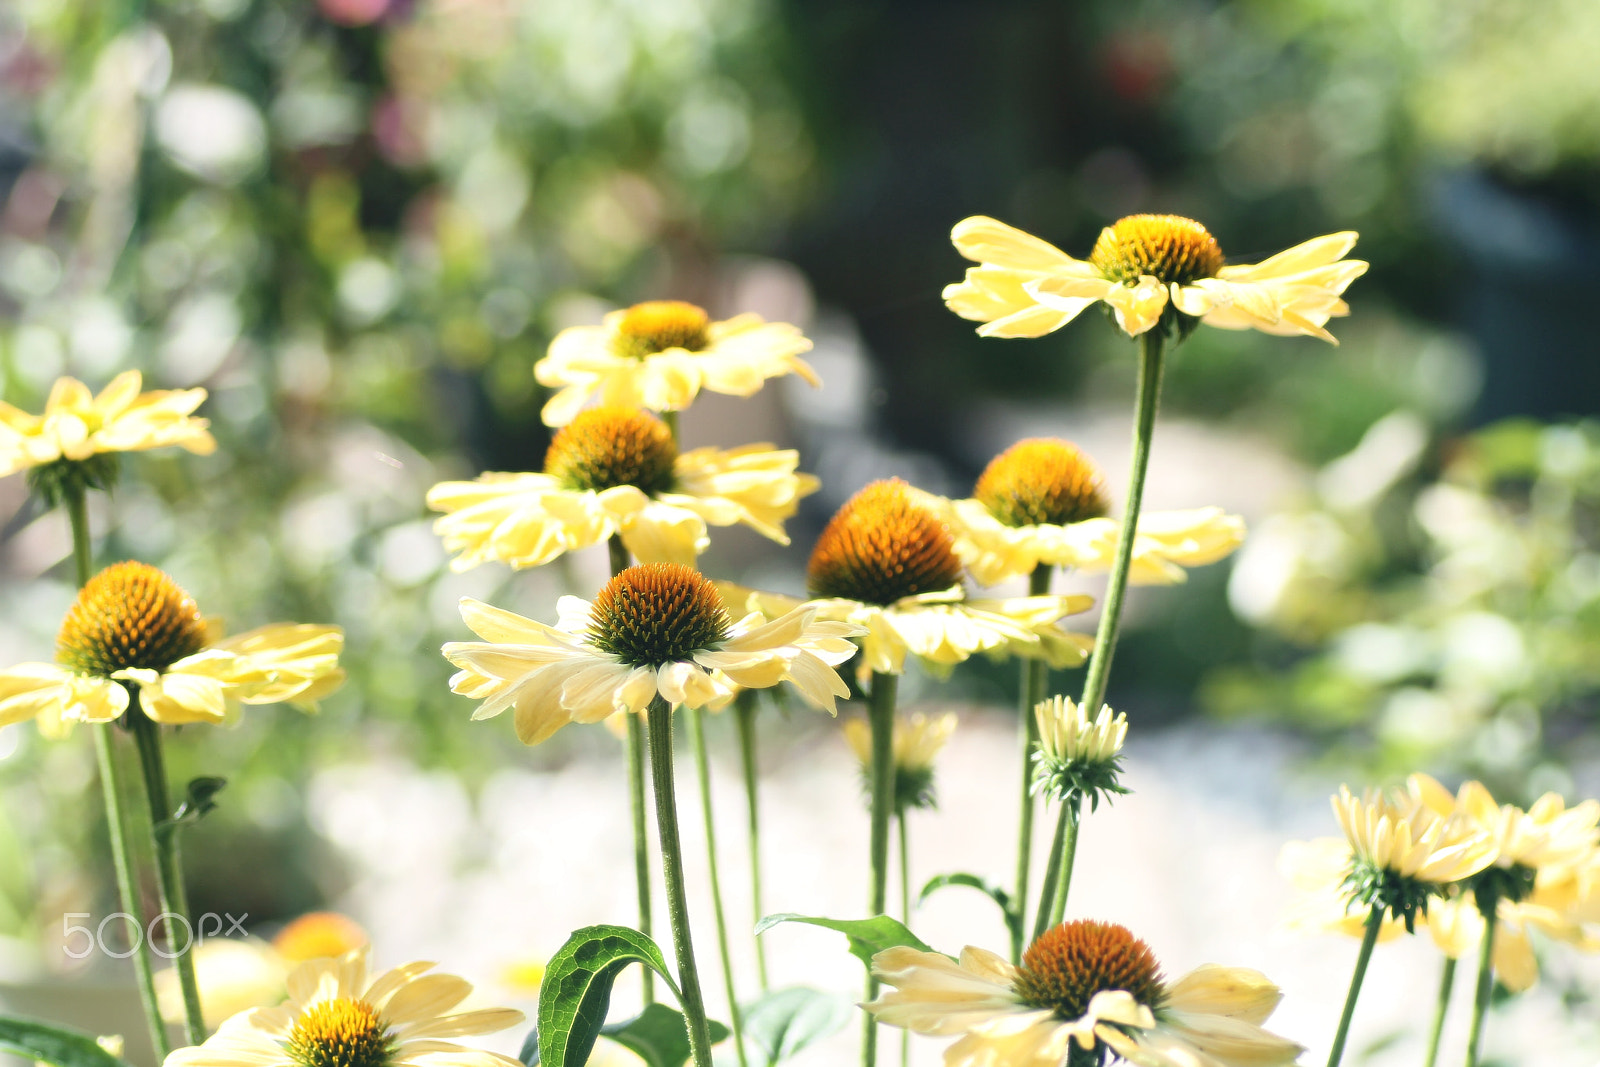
column 1147, row 269
column 1403, row 852
column 83, row 429
column 660, row 354
column 915, row 742
column 1078, row 757
column 656, row 629
column 132, row 629
column 339, row 1015
column 1087, row 984
column 1043, row 501
column 618, row 471
column 887, row 563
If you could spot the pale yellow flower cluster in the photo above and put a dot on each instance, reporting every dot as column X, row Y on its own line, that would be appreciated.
column 917, row 739
column 1393, row 832
column 1068, row 735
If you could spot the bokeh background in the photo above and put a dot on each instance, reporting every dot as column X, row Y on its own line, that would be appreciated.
column 358, row 223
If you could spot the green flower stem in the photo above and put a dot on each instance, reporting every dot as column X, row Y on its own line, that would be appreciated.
column 1052, row 873
column 170, row 890
column 641, row 824
column 113, row 788
column 744, row 715
column 692, row 1003
column 1071, row 814
column 1369, row 938
column 1447, row 981
column 880, row 713
column 697, row 738
column 905, row 910
column 1480, row 1003
column 1105, row 641
column 1035, row 677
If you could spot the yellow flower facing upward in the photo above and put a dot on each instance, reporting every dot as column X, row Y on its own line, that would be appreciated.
column 77, row 424
column 1141, row 267
column 1084, row 983
column 886, row 563
column 337, row 1013
column 654, row 629
column 660, row 354
column 132, row 627
column 1548, row 838
column 1043, row 501
column 617, row 471
column 917, row 739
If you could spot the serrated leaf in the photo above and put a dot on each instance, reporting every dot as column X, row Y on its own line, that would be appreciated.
column 659, row 1035
column 786, row 1021
column 867, row 936
column 1001, row 898
column 576, row 990
column 53, row 1044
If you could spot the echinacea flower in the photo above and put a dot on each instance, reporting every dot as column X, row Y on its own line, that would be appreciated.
column 337, row 1013
column 916, row 739
column 1403, row 853
column 1145, row 267
column 133, row 628
column 660, row 354
column 1530, row 884
column 618, row 471
column 1043, row 501
column 886, row 563
column 1078, row 756
column 654, row 629
column 1084, row 983
column 77, row 425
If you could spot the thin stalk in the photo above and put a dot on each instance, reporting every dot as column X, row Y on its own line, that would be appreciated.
column 1070, row 814
column 1369, row 938
column 1052, row 872
column 1105, row 641
column 905, row 912
column 636, row 799
column 1480, row 1003
column 692, row 1003
column 744, row 715
column 1447, row 981
column 880, row 712
column 170, row 889
column 113, row 788
column 1035, row 677
column 697, row 737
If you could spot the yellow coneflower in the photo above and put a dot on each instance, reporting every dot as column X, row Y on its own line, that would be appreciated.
column 132, row 626
column 1146, row 267
column 656, row 628
column 887, row 563
column 1084, row 983
column 915, row 742
column 660, row 354
column 78, row 425
column 337, row 1013
column 618, row 471
column 1043, row 501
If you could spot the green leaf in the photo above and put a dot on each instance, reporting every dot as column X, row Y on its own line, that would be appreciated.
column 576, row 990
column 867, row 936
column 1002, row 899
column 660, row 1035
column 54, row 1045
column 786, row 1021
